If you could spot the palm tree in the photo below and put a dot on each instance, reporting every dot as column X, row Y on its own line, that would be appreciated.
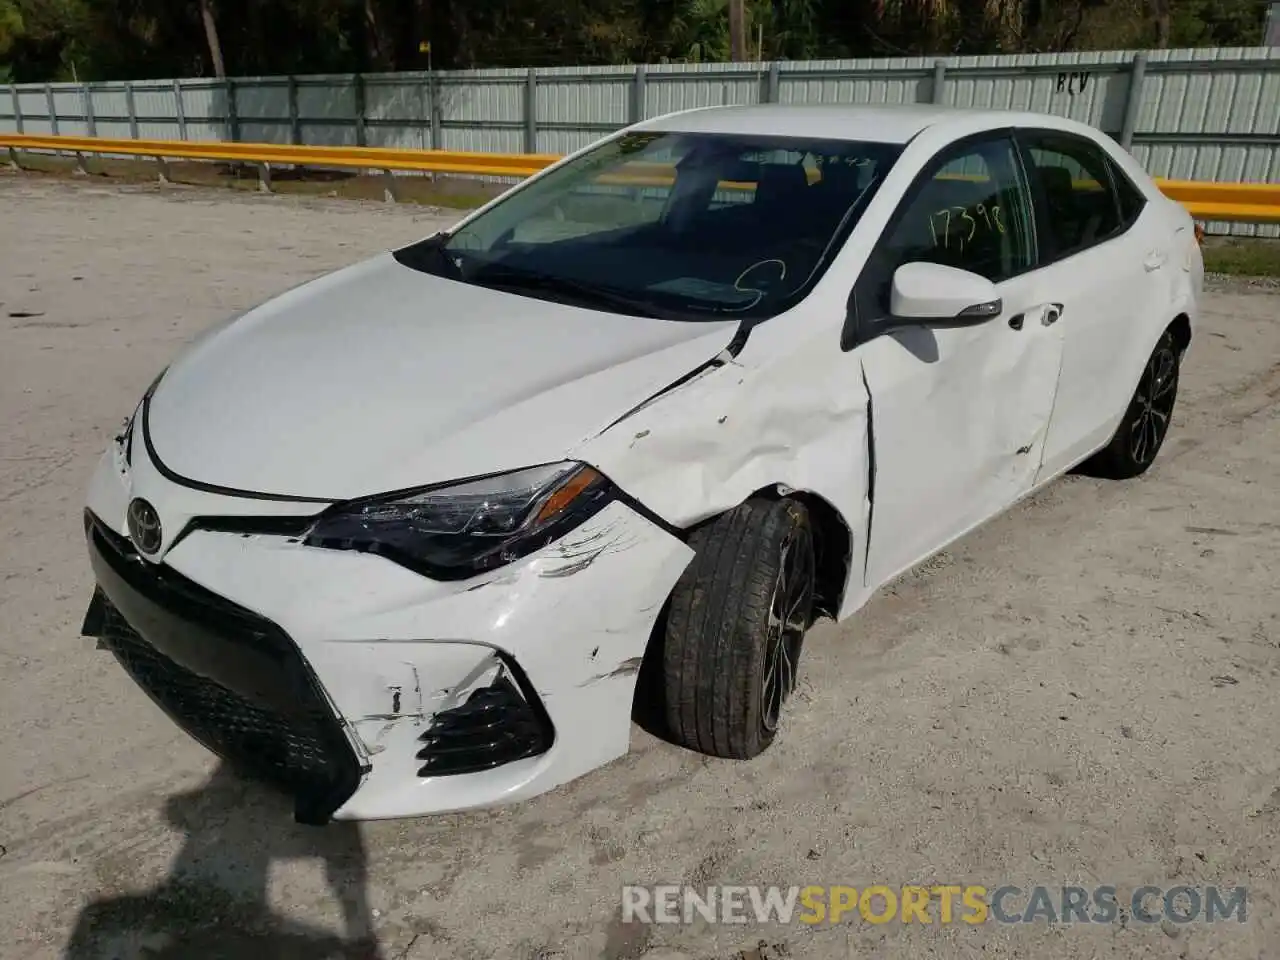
column 1006, row 19
column 699, row 31
column 211, row 37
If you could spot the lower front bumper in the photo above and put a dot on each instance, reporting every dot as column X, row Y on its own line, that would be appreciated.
column 373, row 677
column 230, row 678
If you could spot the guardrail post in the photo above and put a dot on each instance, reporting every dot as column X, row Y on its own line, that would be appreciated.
column 17, row 107
column 131, row 106
column 773, row 83
column 1133, row 99
column 181, row 109
column 295, row 124
column 362, row 135
column 53, row 110
column 390, row 190
column 939, row 90
column 162, row 170
column 233, row 117
column 264, row 177
column 531, row 111
column 13, row 159
column 639, row 95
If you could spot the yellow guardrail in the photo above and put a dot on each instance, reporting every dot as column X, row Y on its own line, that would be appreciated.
column 1255, row 202
column 360, row 158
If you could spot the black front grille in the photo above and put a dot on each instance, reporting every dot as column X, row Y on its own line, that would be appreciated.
column 230, row 678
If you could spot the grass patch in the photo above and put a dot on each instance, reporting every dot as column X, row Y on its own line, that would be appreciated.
column 1243, row 258
column 461, row 193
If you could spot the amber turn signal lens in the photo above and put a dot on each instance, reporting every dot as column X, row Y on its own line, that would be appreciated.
column 568, row 493
column 1200, row 234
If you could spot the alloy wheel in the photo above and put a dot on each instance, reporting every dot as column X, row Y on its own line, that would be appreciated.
column 1154, row 404
column 789, row 613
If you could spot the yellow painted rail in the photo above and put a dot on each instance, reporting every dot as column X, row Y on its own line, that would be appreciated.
column 1255, row 202
column 360, row 158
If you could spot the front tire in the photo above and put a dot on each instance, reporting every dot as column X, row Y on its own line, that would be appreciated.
column 735, row 628
column 1145, row 425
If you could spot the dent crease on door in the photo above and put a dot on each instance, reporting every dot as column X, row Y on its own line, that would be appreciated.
column 959, row 423
column 796, row 422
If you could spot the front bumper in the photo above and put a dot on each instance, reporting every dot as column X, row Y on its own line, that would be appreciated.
column 230, row 678
column 366, row 690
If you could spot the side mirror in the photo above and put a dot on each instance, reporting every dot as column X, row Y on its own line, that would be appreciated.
column 933, row 295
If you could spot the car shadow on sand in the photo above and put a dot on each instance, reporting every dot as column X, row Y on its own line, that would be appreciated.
column 214, row 905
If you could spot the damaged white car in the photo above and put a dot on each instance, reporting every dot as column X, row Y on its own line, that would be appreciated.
column 400, row 539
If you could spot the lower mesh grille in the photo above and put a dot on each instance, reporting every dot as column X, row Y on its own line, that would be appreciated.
column 261, row 743
column 277, row 728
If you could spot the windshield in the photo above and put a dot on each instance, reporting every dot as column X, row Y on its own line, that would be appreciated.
column 679, row 225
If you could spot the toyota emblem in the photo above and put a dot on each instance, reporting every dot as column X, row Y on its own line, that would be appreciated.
column 144, row 527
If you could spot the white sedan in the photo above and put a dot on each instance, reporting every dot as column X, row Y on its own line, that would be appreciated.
column 401, row 539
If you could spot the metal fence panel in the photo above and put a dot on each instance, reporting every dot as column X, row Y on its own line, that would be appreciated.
column 484, row 104
column 325, row 98
column 391, row 99
column 155, row 100
column 262, row 98
column 206, row 130
column 203, row 100
column 1211, row 114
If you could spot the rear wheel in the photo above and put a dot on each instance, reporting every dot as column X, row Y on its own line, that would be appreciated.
column 735, row 628
column 1146, row 421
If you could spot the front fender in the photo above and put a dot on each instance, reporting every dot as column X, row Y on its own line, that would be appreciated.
column 799, row 420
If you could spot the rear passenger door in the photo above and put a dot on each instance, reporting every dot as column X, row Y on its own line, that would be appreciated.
column 1109, row 263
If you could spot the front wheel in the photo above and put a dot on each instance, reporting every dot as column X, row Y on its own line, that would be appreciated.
column 1146, row 421
column 735, row 627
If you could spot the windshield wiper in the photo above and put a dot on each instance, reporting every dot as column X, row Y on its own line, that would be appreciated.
column 511, row 278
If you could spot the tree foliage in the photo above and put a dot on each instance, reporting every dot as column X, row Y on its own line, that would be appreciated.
column 117, row 39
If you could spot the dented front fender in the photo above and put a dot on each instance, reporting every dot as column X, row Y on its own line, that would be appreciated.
column 798, row 420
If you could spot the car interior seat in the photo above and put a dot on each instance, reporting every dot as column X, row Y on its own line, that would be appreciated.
column 1076, row 213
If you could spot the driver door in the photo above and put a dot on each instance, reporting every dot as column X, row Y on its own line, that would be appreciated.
column 958, row 415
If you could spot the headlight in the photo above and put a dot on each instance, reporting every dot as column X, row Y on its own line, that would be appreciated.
column 455, row 531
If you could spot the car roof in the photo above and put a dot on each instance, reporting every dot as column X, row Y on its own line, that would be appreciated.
column 891, row 123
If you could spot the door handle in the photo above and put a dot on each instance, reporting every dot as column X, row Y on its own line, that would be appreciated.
column 1053, row 313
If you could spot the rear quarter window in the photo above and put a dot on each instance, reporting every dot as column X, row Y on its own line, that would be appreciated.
column 1132, row 201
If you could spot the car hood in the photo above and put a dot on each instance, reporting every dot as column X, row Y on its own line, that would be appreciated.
column 380, row 377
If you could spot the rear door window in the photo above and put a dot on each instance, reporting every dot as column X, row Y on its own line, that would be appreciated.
column 1078, row 202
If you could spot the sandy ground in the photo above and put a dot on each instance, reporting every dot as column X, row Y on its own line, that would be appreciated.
column 1083, row 692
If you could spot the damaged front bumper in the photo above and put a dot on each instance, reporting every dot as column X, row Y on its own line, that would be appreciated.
column 368, row 691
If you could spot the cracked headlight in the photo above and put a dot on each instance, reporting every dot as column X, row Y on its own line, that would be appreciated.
column 457, row 530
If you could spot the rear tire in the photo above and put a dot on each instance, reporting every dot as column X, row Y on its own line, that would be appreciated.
column 735, row 628
column 1145, row 425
